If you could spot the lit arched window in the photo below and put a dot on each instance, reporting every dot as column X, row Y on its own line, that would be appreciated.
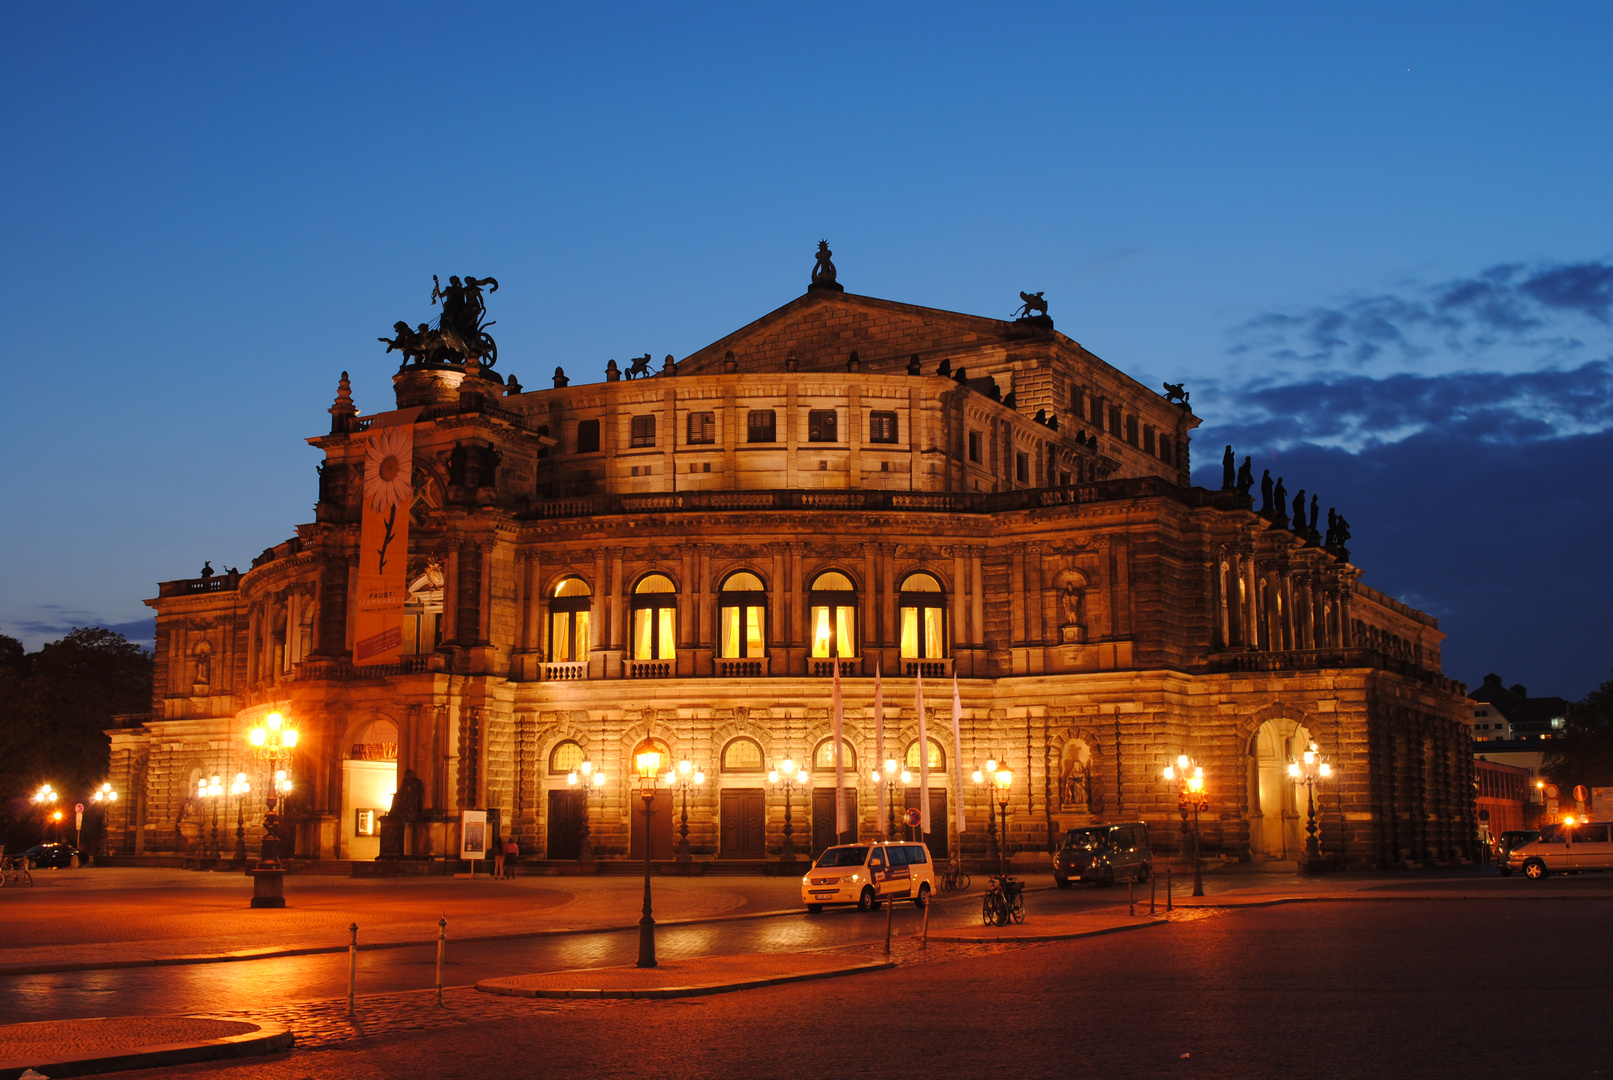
column 833, row 601
column 823, row 758
column 655, row 609
column 564, row 758
column 742, row 606
column 938, row 759
column 741, row 756
column 569, row 612
column 923, row 618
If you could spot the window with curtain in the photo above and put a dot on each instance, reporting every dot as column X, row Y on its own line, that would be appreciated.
column 742, row 612
column 570, row 609
column 833, row 604
column 923, row 614
column 655, row 612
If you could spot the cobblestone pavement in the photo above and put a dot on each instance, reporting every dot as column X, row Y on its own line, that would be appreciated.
column 67, row 1038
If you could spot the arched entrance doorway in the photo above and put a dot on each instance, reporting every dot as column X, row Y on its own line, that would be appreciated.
column 369, row 780
column 1276, row 828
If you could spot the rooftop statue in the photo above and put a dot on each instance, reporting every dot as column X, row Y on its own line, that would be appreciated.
column 1246, row 476
column 1229, row 469
column 1174, row 391
column 461, row 333
column 1033, row 304
column 823, row 274
column 639, row 366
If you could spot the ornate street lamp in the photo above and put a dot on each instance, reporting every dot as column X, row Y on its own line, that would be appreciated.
column 211, row 789
column 45, row 799
column 1190, row 795
column 984, row 777
column 648, row 761
column 788, row 778
column 1314, row 768
column 272, row 741
column 685, row 777
column 239, row 789
column 1003, row 780
column 104, row 797
column 591, row 780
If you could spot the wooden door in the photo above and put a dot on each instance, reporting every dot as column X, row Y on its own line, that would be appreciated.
column 660, row 827
column 823, row 819
column 743, row 820
column 565, row 824
column 936, row 838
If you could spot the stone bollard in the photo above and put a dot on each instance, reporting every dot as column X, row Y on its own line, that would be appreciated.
column 442, row 941
column 352, row 967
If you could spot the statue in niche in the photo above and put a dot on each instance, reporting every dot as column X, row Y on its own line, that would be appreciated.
column 1229, row 469
column 1246, row 477
column 1079, row 788
column 1071, row 632
column 204, row 668
column 823, row 272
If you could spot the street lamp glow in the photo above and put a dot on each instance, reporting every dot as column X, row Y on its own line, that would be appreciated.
column 907, row 777
column 890, row 766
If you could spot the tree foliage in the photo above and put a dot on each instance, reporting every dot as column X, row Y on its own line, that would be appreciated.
column 54, row 705
column 1584, row 753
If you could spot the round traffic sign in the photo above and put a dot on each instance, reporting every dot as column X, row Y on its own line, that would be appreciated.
column 913, row 817
column 1581, row 793
column 1551, row 791
column 79, row 809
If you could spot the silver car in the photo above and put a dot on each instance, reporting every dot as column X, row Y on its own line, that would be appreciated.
column 1561, row 848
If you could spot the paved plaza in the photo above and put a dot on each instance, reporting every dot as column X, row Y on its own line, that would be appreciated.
column 1411, row 974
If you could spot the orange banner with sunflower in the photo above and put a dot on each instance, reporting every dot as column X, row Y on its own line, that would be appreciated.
column 383, row 562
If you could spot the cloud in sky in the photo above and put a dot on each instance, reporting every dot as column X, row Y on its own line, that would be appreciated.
column 52, row 621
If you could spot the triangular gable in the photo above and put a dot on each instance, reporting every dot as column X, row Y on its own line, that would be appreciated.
column 822, row 329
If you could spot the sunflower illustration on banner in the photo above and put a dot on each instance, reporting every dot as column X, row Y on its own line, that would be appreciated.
column 384, row 539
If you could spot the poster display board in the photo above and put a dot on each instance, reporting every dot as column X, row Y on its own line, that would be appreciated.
column 473, row 834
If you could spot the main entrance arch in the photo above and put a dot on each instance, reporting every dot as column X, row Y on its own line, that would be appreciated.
column 1276, row 828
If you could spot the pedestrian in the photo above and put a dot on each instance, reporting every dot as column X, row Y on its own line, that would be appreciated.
column 512, row 854
column 498, row 859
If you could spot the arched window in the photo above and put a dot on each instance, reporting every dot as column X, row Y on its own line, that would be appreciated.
column 833, row 602
column 742, row 756
column 655, row 608
column 923, row 618
column 938, row 758
column 742, row 606
column 564, row 758
column 570, row 609
column 823, row 758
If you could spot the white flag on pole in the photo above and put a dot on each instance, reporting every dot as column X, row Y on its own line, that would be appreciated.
column 879, row 753
column 957, row 752
column 924, row 756
column 840, row 765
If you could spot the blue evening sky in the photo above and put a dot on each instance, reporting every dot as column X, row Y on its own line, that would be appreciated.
column 1372, row 240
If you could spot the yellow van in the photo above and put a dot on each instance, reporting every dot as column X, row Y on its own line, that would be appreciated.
column 869, row 874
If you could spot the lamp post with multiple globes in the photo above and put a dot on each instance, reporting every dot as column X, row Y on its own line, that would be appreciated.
column 590, row 779
column 648, row 761
column 888, row 779
column 104, row 797
column 1003, row 780
column 685, row 777
column 1189, row 775
column 788, row 778
column 1311, row 768
column 273, row 741
column 239, row 789
column 45, row 799
column 211, row 789
column 986, row 778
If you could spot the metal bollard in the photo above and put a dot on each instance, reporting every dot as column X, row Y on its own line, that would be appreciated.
column 1153, row 889
column 924, row 944
column 442, row 940
column 1131, row 894
column 890, row 907
column 1167, row 888
column 352, row 967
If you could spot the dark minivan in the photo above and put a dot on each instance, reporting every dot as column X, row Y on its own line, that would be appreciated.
column 1104, row 853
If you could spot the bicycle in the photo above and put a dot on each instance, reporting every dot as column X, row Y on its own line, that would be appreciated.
column 15, row 869
column 953, row 878
column 1004, row 900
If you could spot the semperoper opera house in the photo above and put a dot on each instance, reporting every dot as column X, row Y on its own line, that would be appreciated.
column 685, row 551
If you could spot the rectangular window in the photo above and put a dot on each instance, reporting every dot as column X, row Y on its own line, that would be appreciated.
column 644, row 430
column 821, row 426
column 1131, row 430
column 1165, row 449
column 1114, row 420
column 882, row 427
column 1064, row 479
column 1022, row 468
column 759, row 426
column 1148, row 438
column 702, row 428
column 974, row 447
column 587, row 436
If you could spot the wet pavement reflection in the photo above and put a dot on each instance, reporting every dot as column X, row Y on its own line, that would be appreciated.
column 249, row 984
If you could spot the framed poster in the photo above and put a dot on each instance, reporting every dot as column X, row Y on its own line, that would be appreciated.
column 473, row 834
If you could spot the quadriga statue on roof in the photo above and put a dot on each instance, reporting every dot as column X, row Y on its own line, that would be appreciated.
column 461, row 333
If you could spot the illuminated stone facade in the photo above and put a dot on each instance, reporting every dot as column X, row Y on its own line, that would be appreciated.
column 681, row 555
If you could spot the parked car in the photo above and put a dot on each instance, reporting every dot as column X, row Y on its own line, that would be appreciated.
column 51, row 856
column 1104, row 853
column 868, row 874
column 1565, row 848
column 1512, row 838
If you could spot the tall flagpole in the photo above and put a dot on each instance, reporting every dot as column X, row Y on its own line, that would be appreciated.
column 879, row 752
column 957, row 754
column 924, row 759
column 840, row 765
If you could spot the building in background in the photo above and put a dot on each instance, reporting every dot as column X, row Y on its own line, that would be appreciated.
column 689, row 555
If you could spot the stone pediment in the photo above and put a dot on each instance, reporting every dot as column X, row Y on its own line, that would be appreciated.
column 823, row 328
